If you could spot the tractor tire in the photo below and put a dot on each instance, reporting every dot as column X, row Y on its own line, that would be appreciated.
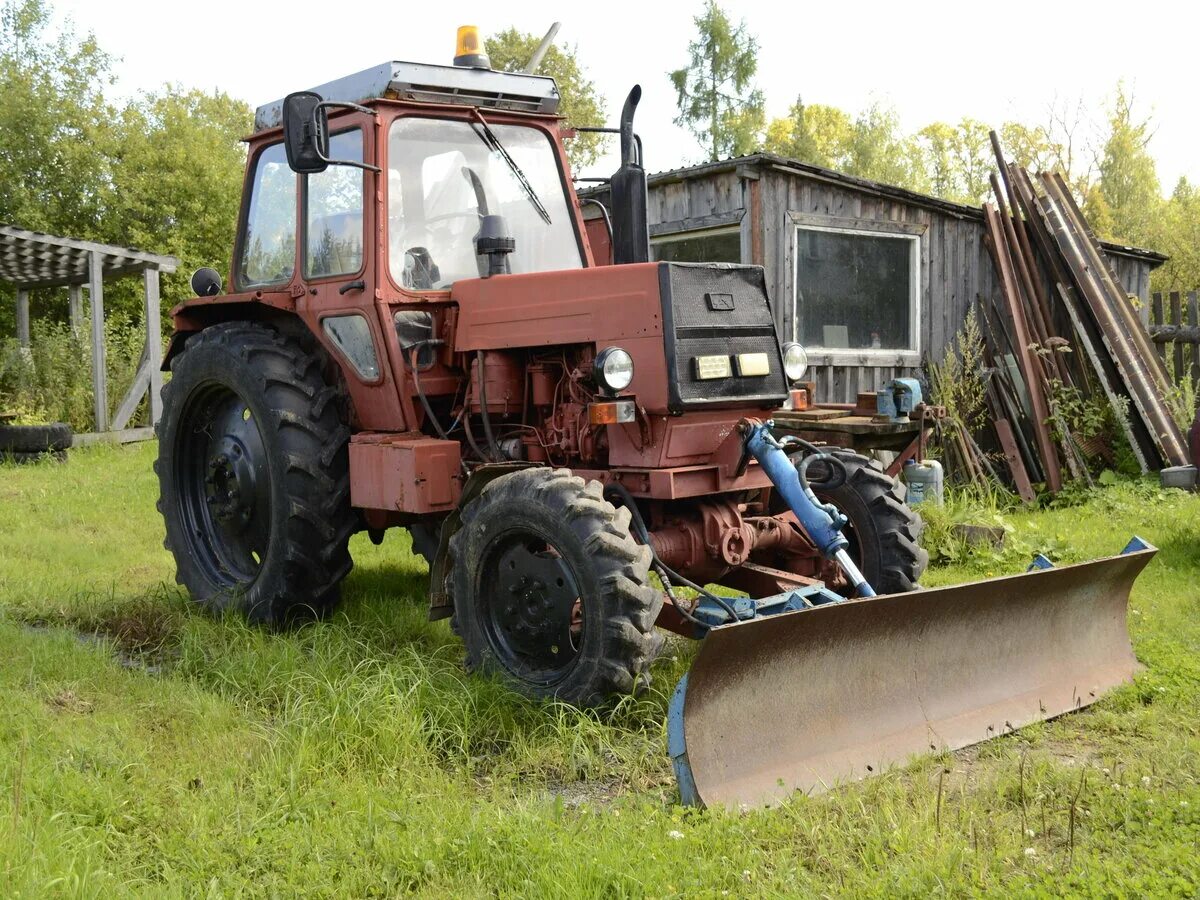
column 35, row 438
column 253, row 472
column 884, row 532
column 550, row 590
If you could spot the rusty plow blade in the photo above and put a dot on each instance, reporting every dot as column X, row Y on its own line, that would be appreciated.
column 805, row 700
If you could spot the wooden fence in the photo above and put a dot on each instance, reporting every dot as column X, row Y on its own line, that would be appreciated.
column 1175, row 330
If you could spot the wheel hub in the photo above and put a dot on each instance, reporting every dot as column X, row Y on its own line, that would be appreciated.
column 534, row 608
column 229, row 484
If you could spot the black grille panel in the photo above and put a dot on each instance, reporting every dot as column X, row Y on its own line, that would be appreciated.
column 718, row 309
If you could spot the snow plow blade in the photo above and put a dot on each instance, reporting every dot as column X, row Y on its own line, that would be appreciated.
column 805, row 700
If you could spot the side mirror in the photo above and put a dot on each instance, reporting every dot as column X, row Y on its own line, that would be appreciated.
column 306, row 132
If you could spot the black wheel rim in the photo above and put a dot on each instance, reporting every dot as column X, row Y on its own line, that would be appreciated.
column 224, row 486
column 531, row 606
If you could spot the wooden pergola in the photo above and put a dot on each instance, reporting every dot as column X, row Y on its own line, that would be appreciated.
column 31, row 260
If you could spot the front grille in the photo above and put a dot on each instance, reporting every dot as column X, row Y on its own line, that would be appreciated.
column 718, row 309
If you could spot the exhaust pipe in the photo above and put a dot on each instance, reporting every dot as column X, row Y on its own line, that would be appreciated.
column 630, row 228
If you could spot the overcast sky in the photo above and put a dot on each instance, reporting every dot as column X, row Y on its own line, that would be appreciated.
column 931, row 61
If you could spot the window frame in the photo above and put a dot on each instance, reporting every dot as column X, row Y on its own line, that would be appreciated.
column 672, row 237
column 239, row 281
column 495, row 117
column 302, row 224
column 882, row 356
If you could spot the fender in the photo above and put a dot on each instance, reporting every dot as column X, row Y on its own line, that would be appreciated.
column 440, row 604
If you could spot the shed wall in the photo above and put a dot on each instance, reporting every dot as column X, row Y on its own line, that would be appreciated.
column 955, row 267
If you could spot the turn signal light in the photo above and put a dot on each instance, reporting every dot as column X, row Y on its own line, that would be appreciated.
column 613, row 413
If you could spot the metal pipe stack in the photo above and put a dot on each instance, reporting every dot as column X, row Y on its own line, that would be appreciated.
column 1038, row 239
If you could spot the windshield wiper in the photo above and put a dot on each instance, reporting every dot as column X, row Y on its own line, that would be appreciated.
column 493, row 143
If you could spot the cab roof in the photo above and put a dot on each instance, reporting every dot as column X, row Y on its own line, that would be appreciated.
column 432, row 84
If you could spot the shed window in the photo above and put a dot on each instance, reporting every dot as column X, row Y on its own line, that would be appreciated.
column 856, row 290
column 724, row 245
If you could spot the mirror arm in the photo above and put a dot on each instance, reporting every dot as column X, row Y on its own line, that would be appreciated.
column 330, row 104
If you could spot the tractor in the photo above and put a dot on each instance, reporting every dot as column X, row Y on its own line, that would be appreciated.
column 423, row 332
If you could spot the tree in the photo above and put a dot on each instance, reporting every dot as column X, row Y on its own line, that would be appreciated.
column 716, row 99
column 581, row 103
column 52, row 122
column 1128, row 182
column 1179, row 238
column 177, row 179
column 957, row 160
column 812, row 133
column 878, row 150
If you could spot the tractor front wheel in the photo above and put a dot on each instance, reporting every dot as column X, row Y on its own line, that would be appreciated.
column 253, row 473
column 883, row 531
column 550, row 590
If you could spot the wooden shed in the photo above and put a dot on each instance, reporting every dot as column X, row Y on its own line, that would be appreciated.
column 871, row 278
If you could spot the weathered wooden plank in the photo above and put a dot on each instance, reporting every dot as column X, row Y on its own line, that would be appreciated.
column 133, row 397
column 1193, row 307
column 696, row 223
column 1177, row 319
column 153, row 312
column 23, row 318
column 128, row 436
column 75, row 307
column 99, row 367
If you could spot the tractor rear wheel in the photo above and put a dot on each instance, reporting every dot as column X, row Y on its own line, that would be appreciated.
column 253, row 475
column 883, row 531
column 550, row 590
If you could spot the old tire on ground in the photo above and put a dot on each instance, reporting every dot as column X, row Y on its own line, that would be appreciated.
column 35, row 438
column 883, row 531
column 254, row 475
column 550, row 590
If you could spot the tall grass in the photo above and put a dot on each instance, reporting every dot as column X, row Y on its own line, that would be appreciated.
column 51, row 381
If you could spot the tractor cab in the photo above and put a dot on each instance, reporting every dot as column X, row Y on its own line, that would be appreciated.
column 453, row 154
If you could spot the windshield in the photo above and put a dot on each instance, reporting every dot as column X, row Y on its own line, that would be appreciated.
column 442, row 177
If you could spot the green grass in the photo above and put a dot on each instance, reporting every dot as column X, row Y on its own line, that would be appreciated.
column 175, row 754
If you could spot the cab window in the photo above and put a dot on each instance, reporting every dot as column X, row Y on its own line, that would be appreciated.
column 269, row 245
column 445, row 175
column 333, row 224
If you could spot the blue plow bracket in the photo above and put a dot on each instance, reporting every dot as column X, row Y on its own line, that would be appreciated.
column 821, row 521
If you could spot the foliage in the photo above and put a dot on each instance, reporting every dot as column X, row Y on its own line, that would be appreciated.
column 582, row 103
column 53, row 139
column 715, row 94
column 1180, row 398
column 956, row 382
column 147, row 749
column 176, row 175
column 958, row 160
column 162, row 173
column 51, row 381
column 807, row 136
column 1128, row 184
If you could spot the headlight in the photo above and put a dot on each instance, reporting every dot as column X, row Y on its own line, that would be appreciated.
column 613, row 370
column 795, row 361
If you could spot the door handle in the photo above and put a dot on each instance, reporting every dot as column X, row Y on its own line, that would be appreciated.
column 349, row 286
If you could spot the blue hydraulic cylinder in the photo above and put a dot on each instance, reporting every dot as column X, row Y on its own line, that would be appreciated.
column 820, row 521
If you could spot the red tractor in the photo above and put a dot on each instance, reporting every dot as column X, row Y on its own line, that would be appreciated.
column 421, row 334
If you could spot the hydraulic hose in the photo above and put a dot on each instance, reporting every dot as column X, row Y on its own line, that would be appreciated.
column 665, row 574
column 493, row 447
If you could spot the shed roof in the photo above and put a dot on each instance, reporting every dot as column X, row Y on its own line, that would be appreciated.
column 31, row 259
column 865, row 185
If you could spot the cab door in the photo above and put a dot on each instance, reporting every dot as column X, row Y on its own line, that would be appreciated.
column 338, row 272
